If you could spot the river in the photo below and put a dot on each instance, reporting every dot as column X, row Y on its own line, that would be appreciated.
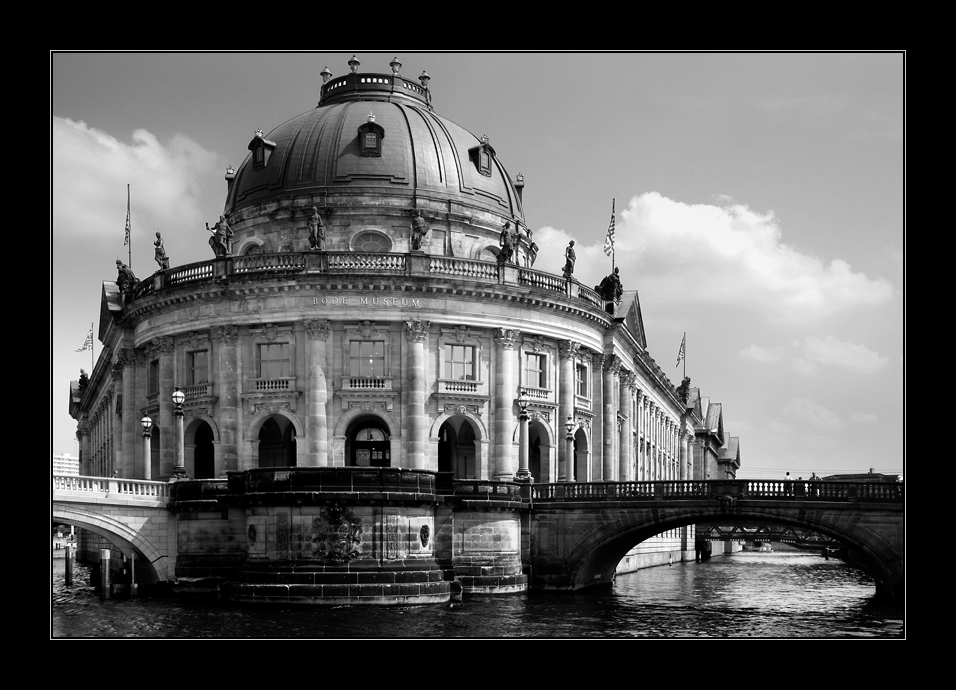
column 749, row 594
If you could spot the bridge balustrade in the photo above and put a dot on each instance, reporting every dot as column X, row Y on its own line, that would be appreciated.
column 740, row 488
column 73, row 485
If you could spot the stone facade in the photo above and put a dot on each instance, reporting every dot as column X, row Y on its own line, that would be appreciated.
column 371, row 308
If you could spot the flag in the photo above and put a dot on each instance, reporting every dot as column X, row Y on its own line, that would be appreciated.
column 609, row 240
column 680, row 353
column 88, row 343
column 126, row 241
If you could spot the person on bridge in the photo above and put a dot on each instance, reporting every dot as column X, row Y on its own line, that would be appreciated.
column 788, row 485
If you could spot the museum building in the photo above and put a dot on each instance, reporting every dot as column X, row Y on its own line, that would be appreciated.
column 371, row 352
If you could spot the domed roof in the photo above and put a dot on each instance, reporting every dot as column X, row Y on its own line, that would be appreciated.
column 420, row 153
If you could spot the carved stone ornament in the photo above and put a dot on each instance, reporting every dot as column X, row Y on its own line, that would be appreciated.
column 367, row 329
column 506, row 337
column 318, row 330
column 612, row 364
column 424, row 533
column 537, row 344
column 462, row 334
column 227, row 335
column 416, row 331
column 727, row 503
column 569, row 348
column 337, row 535
column 270, row 331
column 162, row 345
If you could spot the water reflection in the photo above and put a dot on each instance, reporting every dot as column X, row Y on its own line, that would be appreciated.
column 744, row 595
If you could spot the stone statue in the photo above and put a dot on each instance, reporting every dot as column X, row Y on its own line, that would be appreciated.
column 569, row 259
column 316, row 231
column 221, row 240
column 683, row 390
column 125, row 280
column 610, row 288
column 84, row 380
column 506, row 241
column 160, row 254
column 419, row 230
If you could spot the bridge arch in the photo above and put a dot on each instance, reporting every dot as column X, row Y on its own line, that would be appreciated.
column 121, row 535
column 603, row 537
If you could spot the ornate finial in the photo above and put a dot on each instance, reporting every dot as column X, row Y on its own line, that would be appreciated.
column 484, row 138
column 354, row 65
column 230, row 170
column 259, row 132
column 520, row 179
column 395, row 65
column 325, row 74
column 423, row 78
column 371, row 116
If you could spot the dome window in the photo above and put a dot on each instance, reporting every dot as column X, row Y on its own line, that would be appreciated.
column 481, row 156
column 370, row 137
column 261, row 150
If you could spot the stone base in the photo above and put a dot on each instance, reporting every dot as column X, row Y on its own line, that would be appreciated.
column 362, row 582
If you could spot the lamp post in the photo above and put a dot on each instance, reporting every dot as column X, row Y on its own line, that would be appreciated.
column 179, row 471
column 523, row 474
column 147, row 425
column 568, row 470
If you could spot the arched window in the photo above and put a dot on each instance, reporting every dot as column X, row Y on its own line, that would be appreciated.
column 369, row 444
column 372, row 242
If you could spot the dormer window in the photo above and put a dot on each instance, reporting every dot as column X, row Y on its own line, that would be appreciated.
column 261, row 150
column 370, row 137
column 481, row 156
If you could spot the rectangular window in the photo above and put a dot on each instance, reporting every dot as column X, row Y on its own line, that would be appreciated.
column 367, row 358
column 152, row 385
column 198, row 368
column 536, row 372
column 581, row 381
column 460, row 362
column 275, row 360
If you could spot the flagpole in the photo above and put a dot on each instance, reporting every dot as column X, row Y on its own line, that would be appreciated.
column 684, row 341
column 612, row 243
column 91, row 348
column 127, row 241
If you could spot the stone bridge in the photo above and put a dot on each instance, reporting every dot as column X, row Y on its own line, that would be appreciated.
column 129, row 513
column 579, row 532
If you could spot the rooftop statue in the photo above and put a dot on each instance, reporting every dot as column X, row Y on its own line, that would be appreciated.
column 507, row 242
column 160, row 253
column 316, row 231
column 610, row 288
column 221, row 240
column 419, row 230
column 569, row 259
column 125, row 280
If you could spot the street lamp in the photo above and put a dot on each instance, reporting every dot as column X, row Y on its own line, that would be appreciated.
column 179, row 471
column 569, row 450
column 147, row 425
column 524, row 474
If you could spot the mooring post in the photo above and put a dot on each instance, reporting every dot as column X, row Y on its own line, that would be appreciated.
column 104, row 573
column 69, row 565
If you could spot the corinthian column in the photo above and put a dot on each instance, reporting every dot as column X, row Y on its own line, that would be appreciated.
column 415, row 333
column 504, row 402
column 627, row 426
column 228, row 381
column 317, row 395
column 612, row 365
column 569, row 350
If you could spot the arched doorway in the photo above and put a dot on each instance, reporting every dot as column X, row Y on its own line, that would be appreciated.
column 368, row 444
column 277, row 443
column 534, row 453
column 582, row 456
column 456, row 448
column 204, row 463
column 155, row 446
column 447, row 447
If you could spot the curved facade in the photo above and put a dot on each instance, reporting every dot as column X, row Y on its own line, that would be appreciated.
column 373, row 308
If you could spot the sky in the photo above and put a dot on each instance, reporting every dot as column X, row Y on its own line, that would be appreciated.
column 759, row 203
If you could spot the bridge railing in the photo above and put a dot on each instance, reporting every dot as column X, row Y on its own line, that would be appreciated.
column 69, row 486
column 737, row 488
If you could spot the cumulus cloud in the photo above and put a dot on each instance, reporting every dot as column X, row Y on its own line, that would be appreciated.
column 92, row 168
column 813, row 414
column 755, row 353
column 725, row 255
column 863, row 417
column 829, row 350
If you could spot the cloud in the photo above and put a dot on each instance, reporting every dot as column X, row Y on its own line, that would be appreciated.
column 717, row 255
column 755, row 353
column 863, row 417
column 829, row 350
column 813, row 414
column 92, row 168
